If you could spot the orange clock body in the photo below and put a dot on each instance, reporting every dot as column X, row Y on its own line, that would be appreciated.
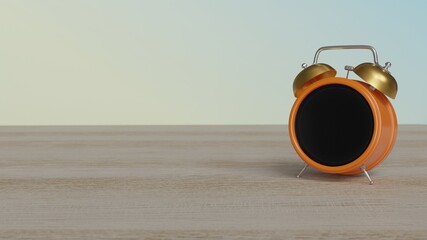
column 376, row 143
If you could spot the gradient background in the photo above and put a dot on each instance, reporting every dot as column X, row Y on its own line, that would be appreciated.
column 84, row 62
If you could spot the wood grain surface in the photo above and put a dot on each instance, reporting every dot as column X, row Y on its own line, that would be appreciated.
column 199, row 182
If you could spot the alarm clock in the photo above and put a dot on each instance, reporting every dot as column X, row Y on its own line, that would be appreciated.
column 340, row 125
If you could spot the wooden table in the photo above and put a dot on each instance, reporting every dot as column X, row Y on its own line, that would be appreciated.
column 199, row 182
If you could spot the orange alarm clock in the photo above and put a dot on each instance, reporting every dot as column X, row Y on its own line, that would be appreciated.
column 340, row 125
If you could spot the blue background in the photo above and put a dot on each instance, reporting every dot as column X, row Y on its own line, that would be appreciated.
column 193, row 61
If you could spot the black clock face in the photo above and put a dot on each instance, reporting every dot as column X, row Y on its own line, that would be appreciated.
column 334, row 125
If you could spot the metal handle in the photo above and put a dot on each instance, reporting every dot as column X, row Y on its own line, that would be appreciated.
column 344, row 47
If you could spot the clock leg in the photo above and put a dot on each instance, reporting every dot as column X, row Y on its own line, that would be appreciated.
column 363, row 168
column 302, row 170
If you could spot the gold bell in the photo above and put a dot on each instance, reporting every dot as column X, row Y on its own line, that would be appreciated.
column 378, row 77
column 312, row 73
